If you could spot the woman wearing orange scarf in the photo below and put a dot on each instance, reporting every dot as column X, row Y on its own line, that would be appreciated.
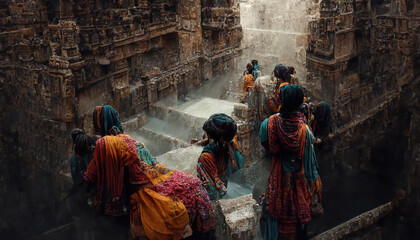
column 282, row 74
column 108, row 170
column 130, row 180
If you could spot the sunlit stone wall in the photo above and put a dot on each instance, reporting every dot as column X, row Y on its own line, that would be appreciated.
column 276, row 31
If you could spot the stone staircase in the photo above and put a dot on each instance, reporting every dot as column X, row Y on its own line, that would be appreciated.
column 170, row 127
column 167, row 130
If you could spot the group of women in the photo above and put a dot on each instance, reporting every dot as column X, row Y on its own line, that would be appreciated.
column 163, row 203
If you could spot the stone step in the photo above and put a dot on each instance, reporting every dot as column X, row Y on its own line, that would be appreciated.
column 157, row 142
column 175, row 123
column 183, row 128
column 134, row 122
column 185, row 121
column 235, row 190
column 205, row 107
column 182, row 159
column 192, row 110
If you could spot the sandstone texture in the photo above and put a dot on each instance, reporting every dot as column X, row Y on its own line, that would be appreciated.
column 59, row 59
column 238, row 218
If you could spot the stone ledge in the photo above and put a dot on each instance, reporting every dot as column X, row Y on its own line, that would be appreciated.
column 358, row 223
column 135, row 122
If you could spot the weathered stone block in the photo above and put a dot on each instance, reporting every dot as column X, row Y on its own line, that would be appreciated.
column 344, row 44
column 241, row 216
column 182, row 159
column 134, row 123
column 120, row 79
column 242, row 111
column 351, row 81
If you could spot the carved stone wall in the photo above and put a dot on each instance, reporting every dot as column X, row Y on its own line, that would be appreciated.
column 276, row 31
column 362, row 53
column 61, row 58
column 361, row 56
column 363, row 59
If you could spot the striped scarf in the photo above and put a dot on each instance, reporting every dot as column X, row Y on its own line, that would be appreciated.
column 289, row 130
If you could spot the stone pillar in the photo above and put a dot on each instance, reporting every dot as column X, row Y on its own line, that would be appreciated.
column 222, row 35
column 189, row 28
column 62, row 90
column 245, row 121
column 65, row 57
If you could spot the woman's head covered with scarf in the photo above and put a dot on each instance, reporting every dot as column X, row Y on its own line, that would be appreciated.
column 305, row 109
column 255, row 65
column 292, row 98
column 220, row 127
column 104, row 118
column 322, row 119
column 282, row 72
column 249, row 67
column 322, row 114
column 84, row 145
column 75, row 133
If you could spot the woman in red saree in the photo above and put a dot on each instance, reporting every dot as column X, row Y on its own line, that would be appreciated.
column 294, row 174
column 130, row 180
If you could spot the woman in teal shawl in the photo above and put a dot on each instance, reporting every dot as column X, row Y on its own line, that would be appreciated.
column 83, row 146
column 294, row 177
column 221, row 156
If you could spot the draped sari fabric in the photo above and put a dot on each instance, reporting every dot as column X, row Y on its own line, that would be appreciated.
column 163, row 218
column 274, row 102
column 162, row 202
column 107, row 170
column 288, row 196
column 192, row 194
column 216, row 163
column 176, row 185
column 248, row 82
